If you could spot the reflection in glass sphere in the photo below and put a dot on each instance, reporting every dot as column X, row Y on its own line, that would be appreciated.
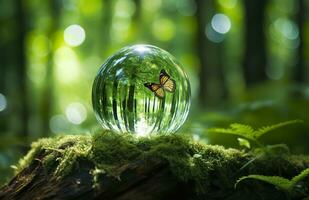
column 141, row 89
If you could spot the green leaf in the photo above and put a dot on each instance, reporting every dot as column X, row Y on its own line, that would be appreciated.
column 243, row 142
column 265, row 129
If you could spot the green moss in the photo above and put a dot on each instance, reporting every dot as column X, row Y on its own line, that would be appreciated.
column 189, row 161
column 110, row 149
column 62, row 151
column 36, row 148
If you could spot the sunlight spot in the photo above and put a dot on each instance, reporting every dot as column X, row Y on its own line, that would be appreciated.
column 3, row 102
column 221, row 23
column 143, row 128
column 141, row 49
column 76, row 113
column 74, row 35
column 196, row 137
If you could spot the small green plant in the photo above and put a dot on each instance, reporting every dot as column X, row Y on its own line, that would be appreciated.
column 243, row 142
column 282, row 183
column 249, row 133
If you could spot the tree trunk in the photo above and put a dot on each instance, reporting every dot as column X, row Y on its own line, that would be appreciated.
column 255, row 42
column 47, row 97
column 21, row 68
column 300, row 66
column 205, row 74
column 212, row 88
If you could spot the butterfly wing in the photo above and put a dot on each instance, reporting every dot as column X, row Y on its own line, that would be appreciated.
column 163, row 77
column 160, row 93
column 167, row 83
column 156, row 88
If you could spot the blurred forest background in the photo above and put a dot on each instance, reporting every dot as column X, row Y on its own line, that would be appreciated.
column 247, row 61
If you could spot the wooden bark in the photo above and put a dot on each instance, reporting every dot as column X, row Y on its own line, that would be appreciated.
column 138, row 180
column 150, row 180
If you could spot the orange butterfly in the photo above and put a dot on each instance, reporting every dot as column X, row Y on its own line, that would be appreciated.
column 166, row 84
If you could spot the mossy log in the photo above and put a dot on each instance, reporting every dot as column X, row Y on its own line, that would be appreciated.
column 112, row 166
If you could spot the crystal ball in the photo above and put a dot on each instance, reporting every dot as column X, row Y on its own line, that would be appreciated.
column 143, row 90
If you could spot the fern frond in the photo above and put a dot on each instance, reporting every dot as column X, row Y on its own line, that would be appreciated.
column 248, row 132
column 278, row 181
column 265, row 129
column 244, row 142
column 300, row 177
column 242, row 130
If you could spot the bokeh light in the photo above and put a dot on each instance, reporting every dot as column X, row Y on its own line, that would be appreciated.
column 287, row 28
column 3, row 102
column 221, row 23
column 67, row 65
column 196, row 137
column 74, row 35
column 58, row 124
column 40, row 45
column 213, row 35
column 76, row 113
column 124, row 8
column 163, row 29
column 275, row 72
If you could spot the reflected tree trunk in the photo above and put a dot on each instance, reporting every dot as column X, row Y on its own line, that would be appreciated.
column 255, row 42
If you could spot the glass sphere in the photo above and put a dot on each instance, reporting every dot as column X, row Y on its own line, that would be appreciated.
column 141, row 89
